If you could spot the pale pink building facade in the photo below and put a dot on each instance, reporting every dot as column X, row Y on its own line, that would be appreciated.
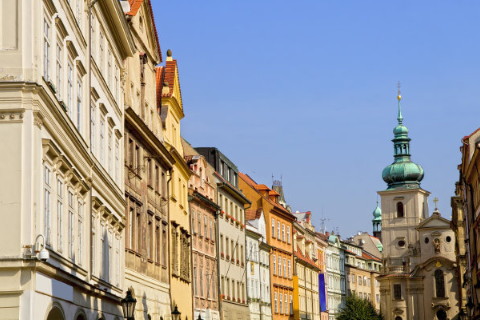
column 203, row 208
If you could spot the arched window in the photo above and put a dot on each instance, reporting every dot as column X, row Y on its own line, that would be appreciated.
column 439, row 284
column 441, row 315
column 400, row 211
column 55, row 314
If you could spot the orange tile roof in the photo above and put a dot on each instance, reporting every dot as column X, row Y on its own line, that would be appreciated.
column 262, row 187
column 305, row 258
column 134, row 7
column 273, row 193
column 368, row 256
column 251, row 214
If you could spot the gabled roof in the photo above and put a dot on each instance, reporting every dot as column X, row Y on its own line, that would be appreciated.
column 253, row 214
column 436, row 221
column 135, row 6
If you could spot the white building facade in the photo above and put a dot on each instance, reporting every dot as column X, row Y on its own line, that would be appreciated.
column 258, row 269
column 335, row 265
column 61, row 127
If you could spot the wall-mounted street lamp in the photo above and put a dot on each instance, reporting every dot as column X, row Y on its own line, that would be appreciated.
column 39, row 248
column 176, row 314
column 128, row 306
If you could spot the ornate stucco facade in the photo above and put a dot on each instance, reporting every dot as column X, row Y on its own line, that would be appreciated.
column 465, row 221
column 61, row 125
column 148, row 165
column 418, row 279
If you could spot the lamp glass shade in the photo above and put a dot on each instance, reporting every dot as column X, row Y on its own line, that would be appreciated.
column 176, row 314
column 128, row 305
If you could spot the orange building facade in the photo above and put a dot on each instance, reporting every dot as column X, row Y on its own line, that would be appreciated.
column 279, row 222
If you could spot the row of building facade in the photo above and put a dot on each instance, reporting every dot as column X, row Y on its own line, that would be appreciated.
column 96, row 172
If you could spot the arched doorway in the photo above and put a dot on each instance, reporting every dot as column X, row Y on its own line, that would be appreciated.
column 441, row 315
column 55, row 314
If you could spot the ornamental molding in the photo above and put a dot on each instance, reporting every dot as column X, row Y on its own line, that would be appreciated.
column 12, row 115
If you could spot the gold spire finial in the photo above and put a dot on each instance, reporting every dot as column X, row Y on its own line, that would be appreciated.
column 399, row 95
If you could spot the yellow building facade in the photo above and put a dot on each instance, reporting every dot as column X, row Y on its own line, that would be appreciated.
column 171, row 112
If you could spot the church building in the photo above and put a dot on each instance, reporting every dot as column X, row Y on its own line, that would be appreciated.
column 418, row 279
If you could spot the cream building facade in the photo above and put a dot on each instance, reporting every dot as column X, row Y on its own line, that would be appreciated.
column 171, row 113
column 61, row 125
column 148, row 164
column 418, row 279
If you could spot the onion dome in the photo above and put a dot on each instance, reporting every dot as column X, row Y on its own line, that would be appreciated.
column 377, row 213
column 402, row 173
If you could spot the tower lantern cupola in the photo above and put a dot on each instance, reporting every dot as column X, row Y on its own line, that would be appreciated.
column 402, row 173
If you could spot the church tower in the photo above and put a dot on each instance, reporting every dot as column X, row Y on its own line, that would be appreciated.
column 377, row 222
column 403, row 207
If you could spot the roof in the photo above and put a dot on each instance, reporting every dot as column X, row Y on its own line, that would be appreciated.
column 134, row 8
column 306, row 258
column 254, row 185
column 251, row 214
column 166, row 75
column 368, row 256
column 470, row 135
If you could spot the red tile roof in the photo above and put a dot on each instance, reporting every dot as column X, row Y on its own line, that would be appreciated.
column 134, row 7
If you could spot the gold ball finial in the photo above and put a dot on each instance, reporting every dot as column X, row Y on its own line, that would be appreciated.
column 399, row 97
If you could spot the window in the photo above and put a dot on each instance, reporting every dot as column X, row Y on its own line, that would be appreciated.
column 283, row 232
column 280, row 266
column 79, row 104
column 46, row 203
column 59, row 69
column 93, row 134
column 101, row 51
column 70, row 89
column 275, row 302
column 110, row 150
column 288, row 234
column 117, row 160
column 400, row 210
column 273, row 228
column 80, row 231
column 46, row 49
column 278, row 230
column 285, row 267
column 102, row 139
column 93, row 27
column 59, row 215
column 280, row 298
column 71, row 224
column 274, row 265
column 131, row 227
column 289, row 269
column 158, row 242
column 397, row 291
column 439, row 284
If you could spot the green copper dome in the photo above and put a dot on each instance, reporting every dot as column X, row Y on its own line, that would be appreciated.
column 377, row 213
column 402, row 173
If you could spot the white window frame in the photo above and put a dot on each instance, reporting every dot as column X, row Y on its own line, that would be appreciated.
column 47, row 28
column 60, row 213
column 46, row 203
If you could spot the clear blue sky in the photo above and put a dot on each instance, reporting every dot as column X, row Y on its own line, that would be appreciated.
column 306, row 90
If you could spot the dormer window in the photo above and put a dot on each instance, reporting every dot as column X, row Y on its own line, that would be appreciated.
column 400, row 210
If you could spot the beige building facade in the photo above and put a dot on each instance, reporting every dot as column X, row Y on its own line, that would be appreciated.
column 61, row 125
column 148, row 164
